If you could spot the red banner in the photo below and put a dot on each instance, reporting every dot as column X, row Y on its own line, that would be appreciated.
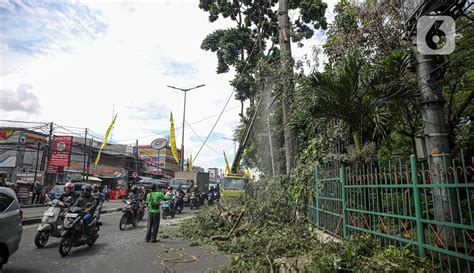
column 61, row 152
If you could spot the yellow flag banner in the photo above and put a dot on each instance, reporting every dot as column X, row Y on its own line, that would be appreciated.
column 247, row 172
column 173, row 140
column 190, row 163
column 227, row 168
column 104, row 142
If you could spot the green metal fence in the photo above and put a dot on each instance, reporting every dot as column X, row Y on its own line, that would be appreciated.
column 426, row 205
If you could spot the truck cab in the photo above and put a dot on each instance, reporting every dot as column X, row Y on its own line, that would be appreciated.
column 233, row 185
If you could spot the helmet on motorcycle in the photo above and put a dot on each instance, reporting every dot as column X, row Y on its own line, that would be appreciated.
column 86, row 190
column 69, row 187
column 135, row 189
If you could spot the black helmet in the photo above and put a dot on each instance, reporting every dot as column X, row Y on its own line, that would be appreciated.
column 86, row 190
column 170, row 188
column 135, row 189
column 95, row 188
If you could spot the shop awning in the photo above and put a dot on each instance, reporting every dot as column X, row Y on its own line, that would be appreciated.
column 92, row 179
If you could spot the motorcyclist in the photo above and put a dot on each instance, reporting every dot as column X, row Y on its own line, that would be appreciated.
column 180, row 190
column 170, row 191
column 211, row 194
column 97, row 194
column 217, row 193
column 88, row 202
column 68, row 192
column 133, row 196
column 195, row 190
column 169, row 195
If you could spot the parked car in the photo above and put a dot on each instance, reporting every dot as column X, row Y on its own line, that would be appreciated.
column 56, row 191
column 10, row 223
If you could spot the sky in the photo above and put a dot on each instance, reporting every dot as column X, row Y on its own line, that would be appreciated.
column 76, row 63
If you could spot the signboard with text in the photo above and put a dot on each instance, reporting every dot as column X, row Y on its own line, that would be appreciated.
column 29, row 176
column 61, row 152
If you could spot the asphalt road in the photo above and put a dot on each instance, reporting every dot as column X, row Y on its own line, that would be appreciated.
column 118, row 251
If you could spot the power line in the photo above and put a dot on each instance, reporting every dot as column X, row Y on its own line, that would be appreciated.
column 201, row 138
column 177, row 128
column 227, row 102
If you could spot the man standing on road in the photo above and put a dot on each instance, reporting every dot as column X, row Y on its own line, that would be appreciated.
column 153, row 200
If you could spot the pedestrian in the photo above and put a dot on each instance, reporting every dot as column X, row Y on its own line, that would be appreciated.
column 106, row 193
column 153, row 200
column 35, row 187
column 38, row 191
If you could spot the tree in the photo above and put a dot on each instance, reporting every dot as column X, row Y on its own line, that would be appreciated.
column 356, row 93
column 251, row 47
column 372, row 27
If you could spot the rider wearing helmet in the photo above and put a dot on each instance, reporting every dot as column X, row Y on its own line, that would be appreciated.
column 97, row 194
column 133, row 196
column 170, row 191
column 68, row 192
column 88, row 202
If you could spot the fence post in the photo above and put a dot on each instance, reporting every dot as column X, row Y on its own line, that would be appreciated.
column 416, row 193
column 316, row 177
column 342, row 174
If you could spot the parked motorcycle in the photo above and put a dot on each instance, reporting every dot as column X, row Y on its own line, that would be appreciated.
column 179, row 202
column 128, row 216
column 74, row 234
column 51, row 224
column 193, row 201
column 168, row 209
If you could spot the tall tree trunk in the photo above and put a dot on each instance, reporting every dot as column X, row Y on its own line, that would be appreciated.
column 357, row 143
column 287, row 86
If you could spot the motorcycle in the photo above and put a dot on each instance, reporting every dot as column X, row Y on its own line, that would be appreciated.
column 73, row 234
column 217, row 196
column 193, row 201
column 128, row 216
column 210, row 198
column 141, row 209
column 179, row 202
column 168, row 209
column 51, row 224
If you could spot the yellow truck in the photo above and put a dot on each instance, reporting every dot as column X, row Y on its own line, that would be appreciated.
column 233, row 185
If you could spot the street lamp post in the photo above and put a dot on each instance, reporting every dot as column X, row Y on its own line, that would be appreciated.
column 181, row 164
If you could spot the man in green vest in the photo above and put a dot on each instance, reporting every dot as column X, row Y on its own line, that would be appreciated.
column 153, row 200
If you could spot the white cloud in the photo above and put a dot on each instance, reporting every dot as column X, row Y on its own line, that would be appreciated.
column 80, row 60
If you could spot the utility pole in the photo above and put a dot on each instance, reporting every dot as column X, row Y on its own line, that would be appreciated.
column 89, row 158
column 181, row 163
column 136, row 160
column 48, row 155
column 432, row 108
column 85, row 153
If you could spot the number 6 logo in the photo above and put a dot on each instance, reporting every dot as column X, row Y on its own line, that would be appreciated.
column 436, row 35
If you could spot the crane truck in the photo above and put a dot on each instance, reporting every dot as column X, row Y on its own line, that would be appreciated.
column 234, row 184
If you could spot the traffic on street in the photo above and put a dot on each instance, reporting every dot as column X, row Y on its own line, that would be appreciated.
column 236, row 136
column 118, row 251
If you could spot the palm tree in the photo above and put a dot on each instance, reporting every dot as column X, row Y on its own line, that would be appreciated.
column 356, row 93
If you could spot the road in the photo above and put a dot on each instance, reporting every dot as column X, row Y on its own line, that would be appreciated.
column 118, row 251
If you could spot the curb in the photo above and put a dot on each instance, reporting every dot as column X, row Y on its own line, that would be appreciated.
column 37, row 220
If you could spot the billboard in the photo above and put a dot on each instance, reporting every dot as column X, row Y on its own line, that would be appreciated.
column 61, row 151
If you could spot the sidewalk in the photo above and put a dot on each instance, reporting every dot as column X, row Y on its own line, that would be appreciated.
column 33, row 215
